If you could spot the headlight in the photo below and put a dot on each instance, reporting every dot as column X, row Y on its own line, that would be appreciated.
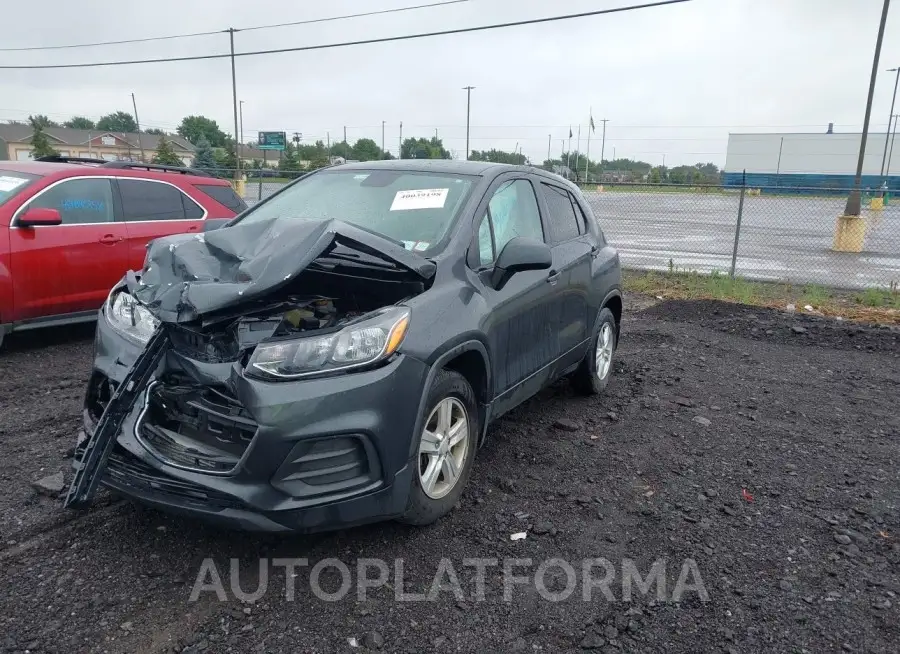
column 130, row 318
column 358, row 344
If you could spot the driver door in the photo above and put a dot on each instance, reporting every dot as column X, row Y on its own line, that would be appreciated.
column 68, row 268
column 522, row 326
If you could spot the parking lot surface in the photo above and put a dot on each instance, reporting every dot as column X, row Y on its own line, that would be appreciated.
column 761, row 446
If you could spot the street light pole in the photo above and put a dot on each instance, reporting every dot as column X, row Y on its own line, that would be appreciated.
column 853, row 200
column 468, row 90
column 382, row 138
column 891, row 153
column 890, row 115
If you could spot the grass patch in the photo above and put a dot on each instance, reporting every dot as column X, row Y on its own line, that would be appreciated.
column 872, row 305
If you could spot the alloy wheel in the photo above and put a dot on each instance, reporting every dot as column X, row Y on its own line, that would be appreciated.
column 443, row 448
column 604, row 352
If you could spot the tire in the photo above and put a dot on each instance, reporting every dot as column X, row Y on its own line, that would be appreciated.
column 587, row 380
column 431, row 496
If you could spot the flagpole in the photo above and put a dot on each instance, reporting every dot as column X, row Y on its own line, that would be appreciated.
column 577, row 153
column 587, row 158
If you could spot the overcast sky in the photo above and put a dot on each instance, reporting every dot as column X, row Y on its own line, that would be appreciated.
column 672, row 80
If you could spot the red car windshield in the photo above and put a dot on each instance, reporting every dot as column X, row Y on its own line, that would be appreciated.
column 11, row 182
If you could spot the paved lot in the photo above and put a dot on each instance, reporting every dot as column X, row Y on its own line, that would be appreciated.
column 782, row 238
column 766, row 454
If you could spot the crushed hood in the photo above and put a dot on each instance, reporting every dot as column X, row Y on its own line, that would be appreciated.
column 188, row 275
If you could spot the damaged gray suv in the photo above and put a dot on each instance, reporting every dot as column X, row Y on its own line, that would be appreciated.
column 334, row 355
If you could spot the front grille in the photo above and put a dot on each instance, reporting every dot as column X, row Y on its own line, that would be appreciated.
column 214, row 347
column 203, row 428
column 126, row 471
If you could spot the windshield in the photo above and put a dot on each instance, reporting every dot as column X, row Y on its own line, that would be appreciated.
column 412, row 208
column 11, row 182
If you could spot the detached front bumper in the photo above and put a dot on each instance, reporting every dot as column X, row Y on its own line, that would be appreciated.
column 325, row 453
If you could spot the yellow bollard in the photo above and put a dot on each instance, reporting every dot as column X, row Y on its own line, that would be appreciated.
column 876, row 204
column 240, row 186
column 849, row 234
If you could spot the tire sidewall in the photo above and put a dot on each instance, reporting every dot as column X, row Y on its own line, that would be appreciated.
column 422, row 509
column 605, row 317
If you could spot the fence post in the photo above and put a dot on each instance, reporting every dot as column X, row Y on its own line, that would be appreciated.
column 737, row 229
column 259, row 191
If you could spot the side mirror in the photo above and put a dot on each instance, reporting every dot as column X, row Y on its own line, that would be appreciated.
column 39, row 216
column 520, row 254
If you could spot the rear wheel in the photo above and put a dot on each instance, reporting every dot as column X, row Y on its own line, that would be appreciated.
column 595, row 370
column 446, row 449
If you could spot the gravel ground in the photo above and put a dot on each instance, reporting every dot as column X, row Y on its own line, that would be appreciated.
column 760, row 445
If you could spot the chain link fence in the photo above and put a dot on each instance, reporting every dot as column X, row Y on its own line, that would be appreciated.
column 769, row 233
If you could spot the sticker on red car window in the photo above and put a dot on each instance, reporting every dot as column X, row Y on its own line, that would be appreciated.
column 10, row 183
column 422, row 198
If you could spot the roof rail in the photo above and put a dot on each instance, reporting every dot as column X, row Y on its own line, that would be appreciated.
column 61, row 159
column 137, row 165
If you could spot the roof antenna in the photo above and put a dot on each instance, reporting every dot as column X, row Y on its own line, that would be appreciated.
column 830, row 128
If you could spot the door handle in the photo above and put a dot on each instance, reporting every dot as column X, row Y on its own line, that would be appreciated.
column 552, row 278
column 595, row 251
column 109, row 239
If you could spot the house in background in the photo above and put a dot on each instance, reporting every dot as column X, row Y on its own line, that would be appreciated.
column 15, row 144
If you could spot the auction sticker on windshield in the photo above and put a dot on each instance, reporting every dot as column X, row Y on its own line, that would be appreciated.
column 422, row 198
column 9, row 183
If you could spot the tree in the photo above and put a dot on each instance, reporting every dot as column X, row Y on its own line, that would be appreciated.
column 80, row 122
column 40, row 143
column 499, row 156
column 121, row 121
column 165, row 155
column 157, row 131
column 655, row 176
column 342, row 149
column 422, row 148
column 42, row 120
column 194, row 128
column 205, row 158
column 366, row 150
column 289, row 161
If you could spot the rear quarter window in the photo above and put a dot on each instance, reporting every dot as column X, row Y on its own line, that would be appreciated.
column 224, row 195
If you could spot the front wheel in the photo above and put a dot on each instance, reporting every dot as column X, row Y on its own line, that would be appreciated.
column 595, row 370
column 446, row 449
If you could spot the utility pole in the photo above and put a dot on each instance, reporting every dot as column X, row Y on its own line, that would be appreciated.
column 234, row 101
column 890, row 115
column 603, row 146
column 893, row 136
column 468, row 90
column 549, row 138
column 382, row 138
column 137, row 122
column 345, row 133
column 400, row 142
column 241, row 117
column 328, row 145
column 853, row 200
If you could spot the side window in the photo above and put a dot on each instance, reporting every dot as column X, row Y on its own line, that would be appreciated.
column 192, row 210
column 79, row 201
column 224, row 195
column 579, row 215
column 512, row 211
column 144, row 200
column 562, row 222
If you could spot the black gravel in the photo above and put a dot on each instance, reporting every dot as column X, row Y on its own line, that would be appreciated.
column 766, row 454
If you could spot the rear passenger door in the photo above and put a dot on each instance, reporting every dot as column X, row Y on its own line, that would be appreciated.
column 572, row 255
column 154, row 208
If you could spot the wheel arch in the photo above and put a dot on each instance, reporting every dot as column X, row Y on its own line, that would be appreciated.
column 470, row 359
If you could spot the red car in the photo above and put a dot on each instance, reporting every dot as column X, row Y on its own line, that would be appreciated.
column 70, row 228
